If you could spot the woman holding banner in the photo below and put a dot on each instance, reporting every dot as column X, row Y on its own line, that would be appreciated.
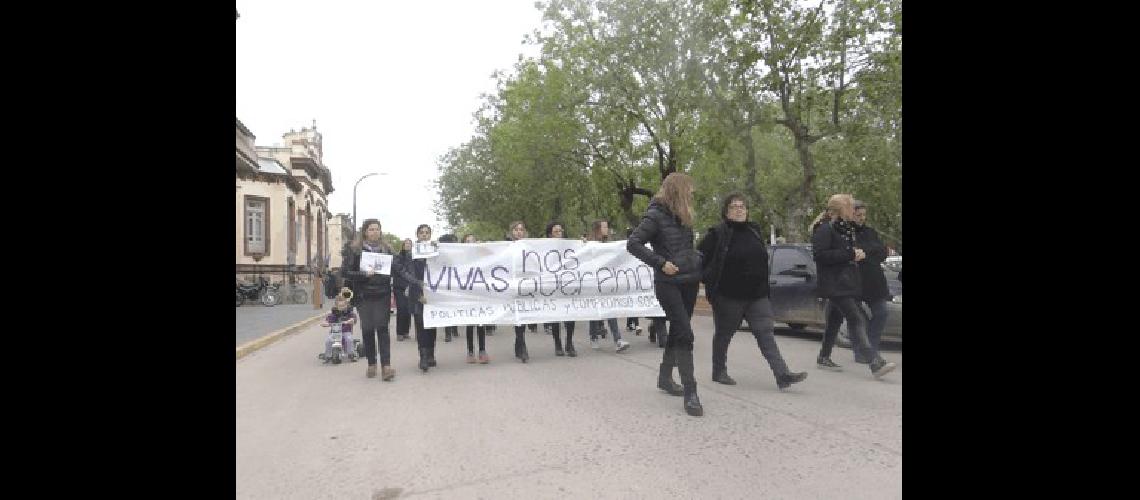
column 425, row 337
column 555, row 230
column 371, row 295
column 668, row 226
column 517, row 231
column 600, row 231
column 482, row 330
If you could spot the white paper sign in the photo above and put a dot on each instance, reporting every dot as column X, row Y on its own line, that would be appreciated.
column 424, row 250
column 381, row 262
column 536, row 281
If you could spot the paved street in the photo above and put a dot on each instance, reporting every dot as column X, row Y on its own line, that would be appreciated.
column 593, row 426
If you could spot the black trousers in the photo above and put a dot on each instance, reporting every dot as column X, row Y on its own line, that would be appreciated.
column 374, row 314
column 425, row 337
column 403, row 312
column 678, row 302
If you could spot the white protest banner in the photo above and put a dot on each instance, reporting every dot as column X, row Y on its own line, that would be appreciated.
column 424, row 250
column 381, row 262
column 535, row 281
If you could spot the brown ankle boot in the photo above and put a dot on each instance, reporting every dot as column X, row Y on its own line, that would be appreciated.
column 388, row 373
column 371, row 373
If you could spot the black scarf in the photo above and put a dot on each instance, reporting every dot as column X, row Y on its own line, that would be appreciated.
column 845, row 229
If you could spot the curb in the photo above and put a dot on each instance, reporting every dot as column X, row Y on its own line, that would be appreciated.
column 253, row 345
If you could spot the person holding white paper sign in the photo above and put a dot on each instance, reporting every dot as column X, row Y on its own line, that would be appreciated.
column 425, row 337
column 371, row 295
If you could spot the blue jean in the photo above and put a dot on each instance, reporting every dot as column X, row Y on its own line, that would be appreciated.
column 597, row 326
column 845, row 308
column 879, row 315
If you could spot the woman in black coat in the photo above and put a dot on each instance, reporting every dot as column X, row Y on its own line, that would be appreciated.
column 837, row 256
column 668, row 226
column 736, row 285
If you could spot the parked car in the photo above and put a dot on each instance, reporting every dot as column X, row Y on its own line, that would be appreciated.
column 792, row 279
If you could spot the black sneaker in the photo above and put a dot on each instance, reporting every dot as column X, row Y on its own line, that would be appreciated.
column 881, row 368
column 827, row 364
column 783, row 381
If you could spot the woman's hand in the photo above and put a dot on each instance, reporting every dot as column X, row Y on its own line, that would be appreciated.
column 423, row 299
column 669, row 268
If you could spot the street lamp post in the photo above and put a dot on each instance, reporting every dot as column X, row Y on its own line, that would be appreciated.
column 365, row 176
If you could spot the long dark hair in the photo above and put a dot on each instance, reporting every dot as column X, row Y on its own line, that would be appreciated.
column 358, row 241
column 550, row 228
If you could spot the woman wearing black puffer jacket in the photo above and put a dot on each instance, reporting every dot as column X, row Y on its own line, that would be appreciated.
column 837, row 256
column 668, row 226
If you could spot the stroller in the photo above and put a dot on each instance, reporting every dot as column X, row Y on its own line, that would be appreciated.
column 339, row 345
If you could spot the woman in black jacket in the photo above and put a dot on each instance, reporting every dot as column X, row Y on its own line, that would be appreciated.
column 668, row 226
column 517, row 231
column 837, row 256
column 371, row 295
column 425, row 337
column 736, row 284
column 876, row 293
column 555, row 230
column 400, row 288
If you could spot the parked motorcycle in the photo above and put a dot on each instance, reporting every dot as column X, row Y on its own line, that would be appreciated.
column 262, row 291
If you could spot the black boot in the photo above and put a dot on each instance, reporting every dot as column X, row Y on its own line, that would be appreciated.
column 423, row 359
column 431, row 356
column 692, row 402
column 684, row 359
column 520, row 346
column 557, row 344
column 665, row 375
column 570, row 351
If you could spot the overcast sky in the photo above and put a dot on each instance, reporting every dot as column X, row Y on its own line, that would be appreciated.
column 391, row 84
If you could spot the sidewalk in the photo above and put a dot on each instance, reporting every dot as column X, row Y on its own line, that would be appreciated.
column 253, row 320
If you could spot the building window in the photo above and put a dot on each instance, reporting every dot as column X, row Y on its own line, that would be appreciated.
column 256, row 225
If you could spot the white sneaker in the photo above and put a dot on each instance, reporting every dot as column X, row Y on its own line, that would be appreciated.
column 594, row 344
column 622, row 345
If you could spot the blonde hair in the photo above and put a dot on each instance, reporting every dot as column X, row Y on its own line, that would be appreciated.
column 834, row 204
column 676, row 193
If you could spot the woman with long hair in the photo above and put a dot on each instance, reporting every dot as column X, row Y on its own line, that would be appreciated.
column 668, row 226
column 400, row 288
column 371, row 295
column 556, row 230
column 600, row 231
column 517, row 231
